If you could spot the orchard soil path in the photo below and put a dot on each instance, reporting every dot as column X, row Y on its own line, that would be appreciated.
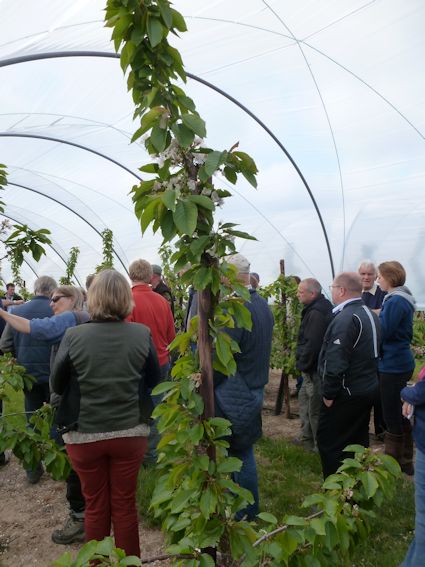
column 29, row 514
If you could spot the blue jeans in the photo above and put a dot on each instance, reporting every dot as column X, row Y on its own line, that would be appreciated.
column 416, row 552
column 247, row 478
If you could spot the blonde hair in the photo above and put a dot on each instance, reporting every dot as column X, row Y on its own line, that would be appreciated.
column 393, row 272
column 73, row 293
column 109, row 296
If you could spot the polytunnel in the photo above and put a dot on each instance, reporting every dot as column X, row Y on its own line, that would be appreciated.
column 327, row 97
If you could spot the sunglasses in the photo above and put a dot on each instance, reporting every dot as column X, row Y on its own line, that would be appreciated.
column 56, row 298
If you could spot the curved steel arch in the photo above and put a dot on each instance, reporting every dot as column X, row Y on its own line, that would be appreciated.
column 69, row 143
column 72, row 211
column 77, row 53
column 26, row 262
column 49, row 245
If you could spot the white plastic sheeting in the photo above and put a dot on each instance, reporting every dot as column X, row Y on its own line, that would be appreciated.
column 340, row 84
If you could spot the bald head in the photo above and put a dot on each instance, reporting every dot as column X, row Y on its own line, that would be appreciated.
column 308, row 290
column 347, row 285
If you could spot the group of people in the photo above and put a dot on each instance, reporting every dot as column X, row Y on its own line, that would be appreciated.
column 355, row 355
column 97, row 362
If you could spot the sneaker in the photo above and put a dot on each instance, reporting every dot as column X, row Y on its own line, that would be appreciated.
column 72, row 531
column 34, row 476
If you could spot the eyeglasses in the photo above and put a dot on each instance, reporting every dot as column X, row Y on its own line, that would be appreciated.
column 56, row 298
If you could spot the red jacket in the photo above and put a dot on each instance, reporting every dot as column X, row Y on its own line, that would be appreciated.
column 153, row 310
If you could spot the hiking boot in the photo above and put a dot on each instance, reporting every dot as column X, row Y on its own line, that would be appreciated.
column 34, row 476
column 72, row 531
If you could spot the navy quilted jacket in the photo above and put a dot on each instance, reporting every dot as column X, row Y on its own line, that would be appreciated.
column 239, row 398
column 32, row 353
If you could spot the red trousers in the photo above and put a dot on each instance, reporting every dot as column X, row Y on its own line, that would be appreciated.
column 108, row 472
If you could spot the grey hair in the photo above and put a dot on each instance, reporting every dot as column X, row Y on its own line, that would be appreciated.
column 312, row 285
column 367, row 264
column 45, row 285
column 140, row 271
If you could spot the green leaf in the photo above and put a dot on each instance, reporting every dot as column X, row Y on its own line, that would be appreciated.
column 199, row 244
column 149, row 168
column 295, row 521
column 223, row 350
column 185, row 217
column 195, row 123
column 163, row 387
column 131, row 560
column 202, row 201
column 206, row 561
column 208, row 503
column 166, row 13
column 355, row 449
column 230, row 174
column 86, row 552
column 178, row 21
column 229, row 465
column 202, row 278
column 169, row 199
column 158, row 138
column 267, row 517
column 213, row 161
column 369, row 482
column 183, row 134
column 319, row 525
column 168, row 227
column 250, row 177
column 155, row 31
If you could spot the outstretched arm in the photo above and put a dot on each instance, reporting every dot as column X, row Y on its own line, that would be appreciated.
column 20, row 324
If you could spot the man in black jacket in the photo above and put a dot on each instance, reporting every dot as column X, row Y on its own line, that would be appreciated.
column 348, row 369
column 315, row 318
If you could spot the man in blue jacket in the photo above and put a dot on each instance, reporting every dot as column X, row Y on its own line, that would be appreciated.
column 239, row 398
column 348, row 367
column 32, row 354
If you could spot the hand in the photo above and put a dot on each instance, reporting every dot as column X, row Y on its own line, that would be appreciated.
column 327, row 402
column 407, row 410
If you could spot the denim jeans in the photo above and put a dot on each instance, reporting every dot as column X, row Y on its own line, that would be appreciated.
column 416, row 552
column 247, row 478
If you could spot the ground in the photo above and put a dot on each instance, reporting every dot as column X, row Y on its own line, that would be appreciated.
column 29, row 513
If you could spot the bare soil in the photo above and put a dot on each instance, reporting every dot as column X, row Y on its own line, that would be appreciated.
column 29, row 513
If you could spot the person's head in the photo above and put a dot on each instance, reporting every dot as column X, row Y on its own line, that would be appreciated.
column 10, row 288
column 156, row 275
column 140, row 271
column 390, row 275
column 45, row 285
column 66, row 298
column 367, row 273
column 254, row 280
column 346, row 285
column 89, row 280
column 242, row 266
column 109, row 296
column 308, row 290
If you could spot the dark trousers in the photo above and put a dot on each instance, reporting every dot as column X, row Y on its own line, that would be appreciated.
column 391, row 386
column 36, row 397
column 346, row 422
column 108, row 472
